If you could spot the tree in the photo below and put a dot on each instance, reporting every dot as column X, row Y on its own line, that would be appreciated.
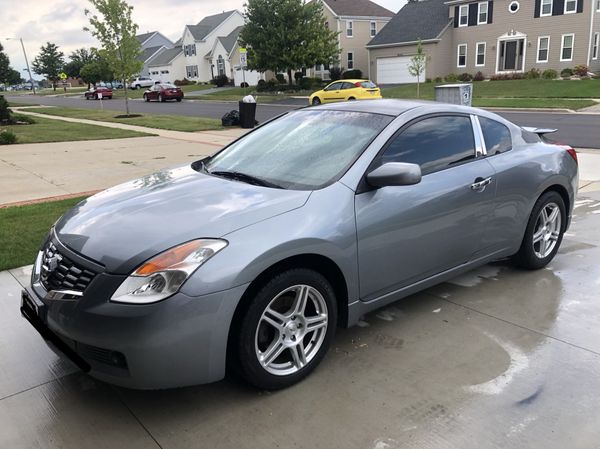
column 287, row 35
column 49, row 62
column 4, row 66
column 14, row 77
column 417, row 66
column 78, row 59
column 115, row 29
column 96, row 71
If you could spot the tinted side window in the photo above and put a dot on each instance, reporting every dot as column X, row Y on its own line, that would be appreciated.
column 334, row 86
column 434, row 143
column 348, row 86
column 497, row 136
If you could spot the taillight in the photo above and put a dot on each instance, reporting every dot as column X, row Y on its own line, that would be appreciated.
column 571, row 151
column 358, row 84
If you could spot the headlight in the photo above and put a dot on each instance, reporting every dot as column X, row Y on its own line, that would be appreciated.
column 161, row 276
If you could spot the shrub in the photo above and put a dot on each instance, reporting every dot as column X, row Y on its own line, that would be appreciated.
column 465, row 77
column 550, row 74
column 566, row 73
column 335, row 73
column 221, row 80
column 533, row 74
column 478, row 76
column 280, row 78
column 581, row 70
column 7, row 137
column 298, row 76
column 451, row 78
column 352, row 74
column 4, row 111
column 245, row 84
column 21, row 119
column 438, row 79
column 306, row 83
column 183, row 82
column 428, row 80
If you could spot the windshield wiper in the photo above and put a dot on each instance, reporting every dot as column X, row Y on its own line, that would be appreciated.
column 243, row 177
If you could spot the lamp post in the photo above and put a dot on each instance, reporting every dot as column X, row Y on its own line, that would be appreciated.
column 26, row 62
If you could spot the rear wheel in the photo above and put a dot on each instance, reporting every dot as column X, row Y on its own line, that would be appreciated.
column 287, row 329
column 178, row 100
column 316, row 101
column 351, row 99
column 160, row 98
column 544, row 232
column 95, row 97
column 146, row 99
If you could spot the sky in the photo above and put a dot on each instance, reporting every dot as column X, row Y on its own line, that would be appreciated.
column 62, row 22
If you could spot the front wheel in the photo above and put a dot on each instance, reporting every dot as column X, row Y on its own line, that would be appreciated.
column 161, row 99
column 287, row 329
column 544, row 232
column 146, row 99
column 316, row 101
column 178, row 100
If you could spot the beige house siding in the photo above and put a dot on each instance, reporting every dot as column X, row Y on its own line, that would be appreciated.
column 438, row 55
column 523, row 21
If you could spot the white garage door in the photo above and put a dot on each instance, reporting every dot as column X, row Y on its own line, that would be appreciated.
column 395, row 71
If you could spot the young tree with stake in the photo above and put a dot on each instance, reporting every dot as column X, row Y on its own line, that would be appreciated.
column 115, row 29
column 417, row 65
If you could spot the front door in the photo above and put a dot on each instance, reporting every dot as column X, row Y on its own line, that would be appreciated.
column 510, row 60
column 409, row 233
column 511, row 55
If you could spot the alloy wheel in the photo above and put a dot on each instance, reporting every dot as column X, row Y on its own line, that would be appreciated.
column 547, row 230
column 291, row 330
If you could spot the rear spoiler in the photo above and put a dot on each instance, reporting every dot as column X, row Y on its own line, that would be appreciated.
column 539, row 131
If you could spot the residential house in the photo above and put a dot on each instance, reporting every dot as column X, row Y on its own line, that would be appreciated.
column 152, row 44
column 199, row 42
column 168, row 65
column 494, row 37
column 357, row 22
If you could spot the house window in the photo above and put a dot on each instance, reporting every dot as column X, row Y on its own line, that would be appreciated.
column 595, row 45
column 570, row 6
column 463, row 15
column 350, row 60
column 221, row 65
column 349, row 28
column 189, row 50
column 191, row 71
column 482, row 13
column 164, row 72
column 546, row 8
column 566, row 49
column 480, row 54
column 543, row 48
column 597, row 5
column 514, row 6
column 461, row 60
column 373, row 29
column 154, row 73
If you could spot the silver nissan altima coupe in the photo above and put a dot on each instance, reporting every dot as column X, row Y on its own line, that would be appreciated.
column 250, row 259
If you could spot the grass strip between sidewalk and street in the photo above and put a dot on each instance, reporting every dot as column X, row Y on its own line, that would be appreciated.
column 24, row 228
column 560, row 103
column 47, row 130
column 170, row 122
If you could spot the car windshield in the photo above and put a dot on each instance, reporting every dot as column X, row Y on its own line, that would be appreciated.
column 303, row 150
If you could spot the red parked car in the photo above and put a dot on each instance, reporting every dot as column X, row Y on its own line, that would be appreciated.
column 163, row 92
column 95, row 92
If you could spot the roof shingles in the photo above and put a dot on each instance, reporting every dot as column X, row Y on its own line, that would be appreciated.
column 208, row 25
column 423, row 20
column 358, row 8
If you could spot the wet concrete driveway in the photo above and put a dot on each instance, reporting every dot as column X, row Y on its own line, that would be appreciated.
column 498, row 358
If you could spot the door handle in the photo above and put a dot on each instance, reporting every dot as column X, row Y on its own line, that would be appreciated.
column 481, row 183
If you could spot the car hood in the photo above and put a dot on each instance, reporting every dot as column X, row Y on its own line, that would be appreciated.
column 125, row 225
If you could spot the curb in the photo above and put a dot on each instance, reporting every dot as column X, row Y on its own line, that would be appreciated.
column 49, row 199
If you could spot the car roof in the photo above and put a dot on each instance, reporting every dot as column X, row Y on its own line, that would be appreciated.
column 354, row 80
column 395, row 107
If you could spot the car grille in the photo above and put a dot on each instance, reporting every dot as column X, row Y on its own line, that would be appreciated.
column 58, row 272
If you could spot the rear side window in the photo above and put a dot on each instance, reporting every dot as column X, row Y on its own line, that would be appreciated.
column 496, row 135
column 435, row 143
column 348, row 86
column 368, row 84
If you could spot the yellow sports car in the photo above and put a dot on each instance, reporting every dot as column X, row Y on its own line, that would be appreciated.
column 346, row 90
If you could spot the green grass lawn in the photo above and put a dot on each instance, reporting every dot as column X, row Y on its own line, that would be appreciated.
column 48, row 130
column 172, row 122
column 24, row 228
column 515, row 93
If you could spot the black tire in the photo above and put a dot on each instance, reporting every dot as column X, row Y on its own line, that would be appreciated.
column 178, row 100
column 351, row 99
column 526, row 257
column 249, row 366
column 160, row 98
column 146, row 99
column 316, row 101
column 95, row 97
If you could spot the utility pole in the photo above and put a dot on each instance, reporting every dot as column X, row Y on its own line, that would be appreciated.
column 26, row 62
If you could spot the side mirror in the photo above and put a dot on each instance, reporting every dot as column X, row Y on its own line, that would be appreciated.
column 395, row 174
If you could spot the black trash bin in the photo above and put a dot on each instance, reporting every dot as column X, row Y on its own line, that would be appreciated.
column 247, row 114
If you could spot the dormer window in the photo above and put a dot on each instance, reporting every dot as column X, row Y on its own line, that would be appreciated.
column 463, row 16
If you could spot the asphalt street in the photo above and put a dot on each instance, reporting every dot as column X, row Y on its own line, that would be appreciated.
column 577, row 129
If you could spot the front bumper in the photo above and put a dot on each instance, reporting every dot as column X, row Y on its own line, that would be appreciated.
column 178, row 342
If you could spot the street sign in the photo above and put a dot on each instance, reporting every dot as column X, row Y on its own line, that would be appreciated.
column 243, row 59
column 243, row 50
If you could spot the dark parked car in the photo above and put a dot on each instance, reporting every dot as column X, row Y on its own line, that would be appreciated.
column 163, row 92
column 253, row 257
column 99, row 92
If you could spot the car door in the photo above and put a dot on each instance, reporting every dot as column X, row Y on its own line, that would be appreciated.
column 409, row 233
column 153, row 93
column 349, row 90
column 332, row 93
